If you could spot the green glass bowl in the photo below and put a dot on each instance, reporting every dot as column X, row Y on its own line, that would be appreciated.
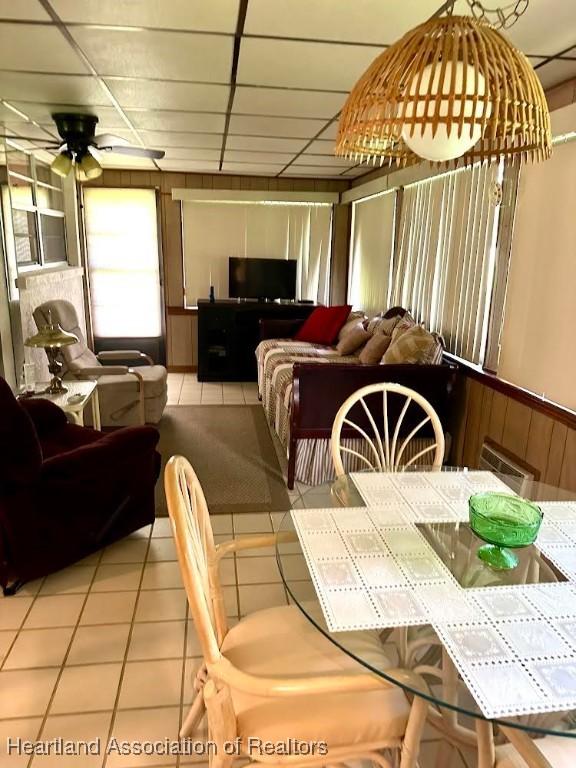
column 503, row 520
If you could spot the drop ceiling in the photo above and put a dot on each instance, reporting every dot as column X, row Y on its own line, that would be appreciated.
column 231, row 86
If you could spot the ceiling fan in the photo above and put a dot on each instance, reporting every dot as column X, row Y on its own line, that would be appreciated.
column 81, row 146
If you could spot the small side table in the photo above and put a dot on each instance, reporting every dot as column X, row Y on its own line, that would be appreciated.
column 88, row 390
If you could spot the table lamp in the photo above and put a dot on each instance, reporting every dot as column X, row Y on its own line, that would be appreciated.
column 52, row 337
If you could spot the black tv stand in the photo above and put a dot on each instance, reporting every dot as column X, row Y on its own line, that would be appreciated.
column 229, row 332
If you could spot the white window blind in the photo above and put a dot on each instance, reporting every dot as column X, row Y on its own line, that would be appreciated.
column 444, row 263
column 538, row 335
column 371, row 248
column 123, row 262
column 213, row 232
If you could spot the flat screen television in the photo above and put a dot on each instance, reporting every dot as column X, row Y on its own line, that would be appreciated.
column 261, row 278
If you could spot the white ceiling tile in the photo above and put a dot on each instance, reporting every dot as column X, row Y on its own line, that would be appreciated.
column 312, row 170
column 177, row 121
column 265, row 144
column 362, row 21
column 22, row 128
column 164, row 139
column 30, row 10
column 358, row 170
column 58, row 89
column 260, row 169
column 324, row 160
column 330, row 133
column 321, row 147
column 110, row 160
column 302, row 65
column 165, row 55
column 233, row 155
column 192, row 166
column 181, row 153
column 37, row 47
column 42, row 113
column 556, row 72
column 268, row 101
column 208, row 15
column 168, row 95
column 547, row 27
column 274, row 126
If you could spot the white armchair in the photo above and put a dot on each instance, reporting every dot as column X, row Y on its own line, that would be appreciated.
column 127, row 395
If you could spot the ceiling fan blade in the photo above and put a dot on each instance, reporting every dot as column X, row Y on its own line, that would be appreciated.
column 109, row 140
column 28, row 138
column 153, row 154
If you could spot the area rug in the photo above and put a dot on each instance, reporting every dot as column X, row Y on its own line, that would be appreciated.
column 231, row 450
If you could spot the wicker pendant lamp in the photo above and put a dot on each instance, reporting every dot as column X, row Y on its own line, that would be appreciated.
column 452, row 90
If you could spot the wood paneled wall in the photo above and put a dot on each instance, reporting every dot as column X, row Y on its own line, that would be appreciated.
column 540, row 435
column 181, row 324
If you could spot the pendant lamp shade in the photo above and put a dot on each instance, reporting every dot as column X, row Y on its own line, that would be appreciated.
column 452, row 87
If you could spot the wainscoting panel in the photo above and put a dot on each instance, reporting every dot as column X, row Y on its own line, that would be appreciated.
column 529, row 433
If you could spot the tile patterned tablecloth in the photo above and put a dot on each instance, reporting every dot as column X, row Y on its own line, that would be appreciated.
column 515, row 646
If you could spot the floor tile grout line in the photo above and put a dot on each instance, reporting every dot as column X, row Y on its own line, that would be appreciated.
column 126, row 650
column 46, row 714
column 18, row 630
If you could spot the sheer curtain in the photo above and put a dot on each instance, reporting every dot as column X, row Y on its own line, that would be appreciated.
column 215, row 231
column 371, row 248
column 443, row 268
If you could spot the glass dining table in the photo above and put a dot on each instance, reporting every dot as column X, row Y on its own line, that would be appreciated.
column 447, row 660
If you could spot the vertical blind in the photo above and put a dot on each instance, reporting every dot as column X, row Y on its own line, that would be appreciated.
column 123, row 262
column 215, row 231
column 371, row 248
column 538, row 335
column 443, row 267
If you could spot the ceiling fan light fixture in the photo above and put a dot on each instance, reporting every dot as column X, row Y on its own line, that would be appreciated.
column 62, row 164
column 451, row 87
column 89, row 167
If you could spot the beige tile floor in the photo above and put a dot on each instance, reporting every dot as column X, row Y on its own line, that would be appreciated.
column 106, row 648
column 185, row 389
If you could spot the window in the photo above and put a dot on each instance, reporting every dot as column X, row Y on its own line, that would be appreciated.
column 123, row 262
column 37, row 204
column 215, row 231
column 444, row 261
column 371, row 248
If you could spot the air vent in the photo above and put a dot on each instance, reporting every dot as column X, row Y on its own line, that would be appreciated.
column 518, row 478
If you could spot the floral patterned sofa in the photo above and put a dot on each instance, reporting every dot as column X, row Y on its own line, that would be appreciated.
column 302, row 385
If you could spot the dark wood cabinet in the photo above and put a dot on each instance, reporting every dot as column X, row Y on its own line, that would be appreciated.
column 229, row 332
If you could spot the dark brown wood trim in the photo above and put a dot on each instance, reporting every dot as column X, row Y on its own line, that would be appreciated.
column 182, row 311
column 514, row 392
column 181, row 368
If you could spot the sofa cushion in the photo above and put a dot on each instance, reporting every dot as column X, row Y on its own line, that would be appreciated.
column 323, row 325
column 375, row 349
column 353, row 340
column 353, row 321
column 415, row 345
column 381, row 324
column 403, row 324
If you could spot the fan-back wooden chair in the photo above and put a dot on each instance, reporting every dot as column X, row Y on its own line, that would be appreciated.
column 274, row 676
column 386, row 452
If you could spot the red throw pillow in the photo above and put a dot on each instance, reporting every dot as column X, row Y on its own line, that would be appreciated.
column 323, row 325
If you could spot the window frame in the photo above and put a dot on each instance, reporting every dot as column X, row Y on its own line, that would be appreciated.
column 36, row 209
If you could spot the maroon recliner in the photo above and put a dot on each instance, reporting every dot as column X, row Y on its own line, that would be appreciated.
column 66, row 491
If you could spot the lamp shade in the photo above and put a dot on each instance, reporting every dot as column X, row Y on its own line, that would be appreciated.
column 62, row 164
column 51, row 336
column 89, row 166
column 453, row 86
